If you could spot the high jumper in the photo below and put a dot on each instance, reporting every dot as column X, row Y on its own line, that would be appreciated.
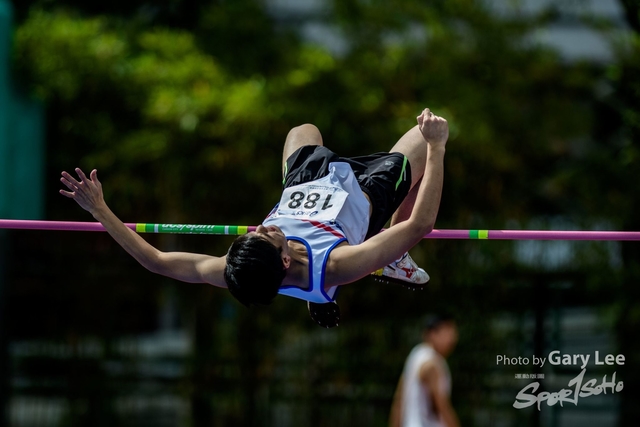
column 325, row 231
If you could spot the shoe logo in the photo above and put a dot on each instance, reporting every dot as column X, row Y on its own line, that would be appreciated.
column 408, row 271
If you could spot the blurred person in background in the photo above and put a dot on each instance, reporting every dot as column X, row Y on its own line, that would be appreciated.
column 422, row 397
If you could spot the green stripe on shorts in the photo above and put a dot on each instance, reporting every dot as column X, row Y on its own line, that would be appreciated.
column 403, row 172
column 286, row 169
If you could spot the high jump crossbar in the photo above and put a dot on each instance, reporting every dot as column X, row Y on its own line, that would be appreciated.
column 235, row 230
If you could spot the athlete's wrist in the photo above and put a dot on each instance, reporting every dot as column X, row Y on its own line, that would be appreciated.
column 437, row 150
column 100, row 211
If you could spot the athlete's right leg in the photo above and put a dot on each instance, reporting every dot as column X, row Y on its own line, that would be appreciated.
column 299, row 136
column 405, row 270
column 414, row 147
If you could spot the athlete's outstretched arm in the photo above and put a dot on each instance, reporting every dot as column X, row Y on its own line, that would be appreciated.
column 350, row 263
column 187, row 267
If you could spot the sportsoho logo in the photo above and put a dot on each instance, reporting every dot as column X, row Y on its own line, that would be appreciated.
column 577, row 388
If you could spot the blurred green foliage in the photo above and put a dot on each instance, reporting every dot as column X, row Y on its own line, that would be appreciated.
column 183, row 108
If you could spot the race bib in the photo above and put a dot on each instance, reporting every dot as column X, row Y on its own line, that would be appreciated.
column 315, row 201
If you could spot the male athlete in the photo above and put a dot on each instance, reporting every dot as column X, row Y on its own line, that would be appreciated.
column 324, row 233
column 422, row 395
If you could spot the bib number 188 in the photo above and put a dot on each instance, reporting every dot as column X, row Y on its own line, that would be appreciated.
column 297, row 198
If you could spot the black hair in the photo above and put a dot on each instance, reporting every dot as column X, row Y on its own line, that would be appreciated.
column 434, row 321
column 254, row 270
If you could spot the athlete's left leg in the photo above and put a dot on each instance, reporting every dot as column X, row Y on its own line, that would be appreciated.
column 326, row 315
column 299, row 136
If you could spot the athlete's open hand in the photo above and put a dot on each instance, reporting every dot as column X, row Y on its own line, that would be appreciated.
column 435, row 129
column 87, row 192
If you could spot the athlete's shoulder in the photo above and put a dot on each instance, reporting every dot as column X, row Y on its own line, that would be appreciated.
column 429, row 368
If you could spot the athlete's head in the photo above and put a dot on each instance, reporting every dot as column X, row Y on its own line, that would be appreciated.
column 441, row 331
column 255, row 266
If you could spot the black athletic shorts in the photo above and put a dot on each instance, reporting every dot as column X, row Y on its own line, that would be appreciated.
column 384, row 177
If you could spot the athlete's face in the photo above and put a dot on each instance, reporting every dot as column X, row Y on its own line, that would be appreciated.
column 276, row 237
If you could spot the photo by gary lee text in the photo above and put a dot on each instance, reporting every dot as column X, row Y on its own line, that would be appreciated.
column 557, row 358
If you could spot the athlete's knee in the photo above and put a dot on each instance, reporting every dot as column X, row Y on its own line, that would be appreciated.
column 306, row 129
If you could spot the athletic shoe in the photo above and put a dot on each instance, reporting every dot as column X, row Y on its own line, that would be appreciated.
column 405, row 272
column 326, row 315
